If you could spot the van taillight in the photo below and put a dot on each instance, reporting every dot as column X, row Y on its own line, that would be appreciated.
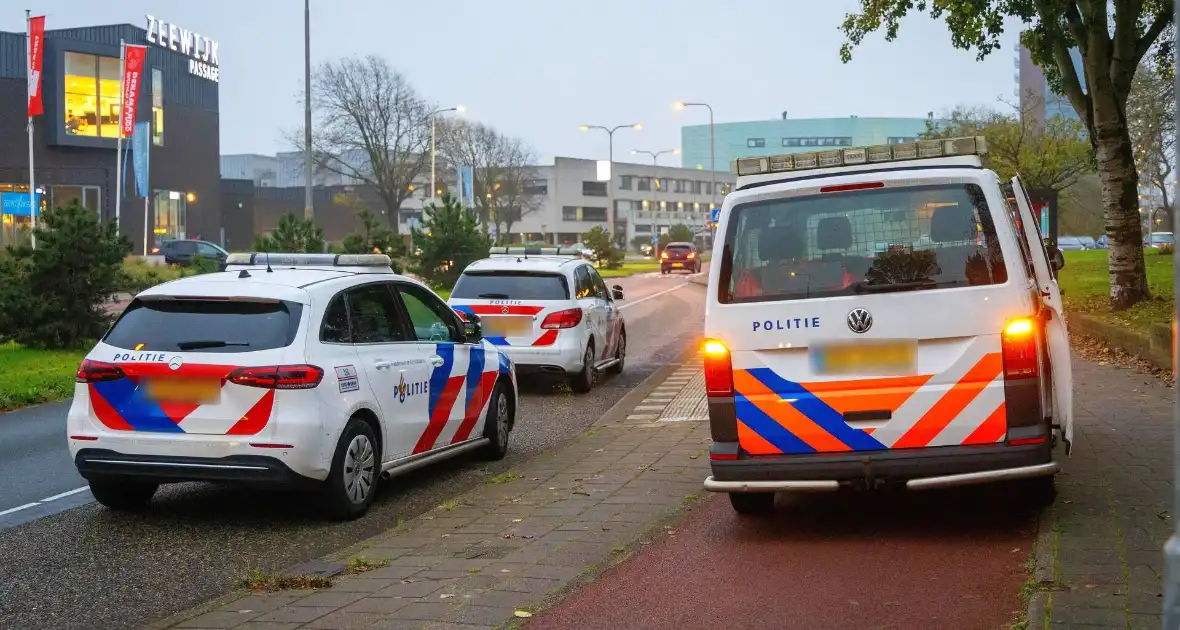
column 1020, row 349
column 278, row 376
column 562, row 319
column 718, row 369
column 97, row 372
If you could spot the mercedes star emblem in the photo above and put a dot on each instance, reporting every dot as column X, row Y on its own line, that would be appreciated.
column 860, row 320
column 175, row 363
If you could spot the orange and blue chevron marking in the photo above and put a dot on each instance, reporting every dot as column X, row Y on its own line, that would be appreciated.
column 779, row 416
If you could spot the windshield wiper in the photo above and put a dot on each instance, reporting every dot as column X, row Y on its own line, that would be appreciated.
column 494, row 296
column 862, row 287
column 210, row 343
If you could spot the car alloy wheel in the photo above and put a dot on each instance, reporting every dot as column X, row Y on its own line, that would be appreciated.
column 359, row 468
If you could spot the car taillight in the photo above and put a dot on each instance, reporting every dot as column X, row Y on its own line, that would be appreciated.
column 97, row 372
column 664, row 255
column 718, row 369
column 278, row 376
column 1019, row 342
column 562, row 319
column 692, row 255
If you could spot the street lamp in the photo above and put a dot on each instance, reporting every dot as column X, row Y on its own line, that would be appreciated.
column 655, row 155
column 712, row 151
column 433, row 139
column 307, row 156
column 610, row 188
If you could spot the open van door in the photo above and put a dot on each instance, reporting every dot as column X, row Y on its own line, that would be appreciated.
column 1056, row 334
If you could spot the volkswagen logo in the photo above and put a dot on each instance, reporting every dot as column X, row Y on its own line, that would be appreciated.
column 860, row 320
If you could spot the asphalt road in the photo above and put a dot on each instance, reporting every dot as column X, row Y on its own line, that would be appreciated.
column 87, row 567
column 953, row 559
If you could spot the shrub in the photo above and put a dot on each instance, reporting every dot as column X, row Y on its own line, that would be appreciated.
column 606, row 254
column 138, row 274
column 450, row 239
column 299, row 236
column 1167, row 249
column 54, row 296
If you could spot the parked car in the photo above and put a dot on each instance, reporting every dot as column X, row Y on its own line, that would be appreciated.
column 1103, row 242
column 1088, row 242
column 181, row 252
column 1070, row 243
column 1157, row 240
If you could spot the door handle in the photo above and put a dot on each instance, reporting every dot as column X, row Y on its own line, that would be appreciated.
column 436, row 361
column 382, row 364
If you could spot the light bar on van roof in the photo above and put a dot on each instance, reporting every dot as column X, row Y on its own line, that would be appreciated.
column 259, row 259
column 534, row 251
column 903, row 151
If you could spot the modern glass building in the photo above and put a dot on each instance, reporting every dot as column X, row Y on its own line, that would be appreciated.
column 790, row 135
column 1033, row 91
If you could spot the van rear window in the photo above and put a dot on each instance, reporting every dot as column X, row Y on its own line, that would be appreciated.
column 511, row 285
column 200, row 325
column 860, row 242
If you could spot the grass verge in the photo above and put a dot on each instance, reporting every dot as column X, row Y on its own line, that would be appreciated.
column 630, row 268
column 258, row 580
column 33, row 376
column 1086, row 286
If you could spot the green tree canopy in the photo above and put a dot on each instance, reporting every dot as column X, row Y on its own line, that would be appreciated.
column 450, row 239
column 300, row 236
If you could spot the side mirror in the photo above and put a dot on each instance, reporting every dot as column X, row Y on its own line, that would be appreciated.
column 616, row 294
column 472, row 327
column 1057, row 259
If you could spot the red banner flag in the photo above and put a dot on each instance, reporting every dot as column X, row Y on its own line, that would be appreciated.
column 36, row 60
column 133, row 60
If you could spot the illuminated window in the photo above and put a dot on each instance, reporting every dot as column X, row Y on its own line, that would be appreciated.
column 91, row 95
column 157, row 107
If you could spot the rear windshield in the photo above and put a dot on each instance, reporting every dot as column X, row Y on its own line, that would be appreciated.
column 1163, row 238
column 679, row 249
column 859, row 242
column 194, row 325
column 509, row 285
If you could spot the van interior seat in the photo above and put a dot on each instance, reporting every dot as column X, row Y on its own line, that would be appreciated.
column 956, row 227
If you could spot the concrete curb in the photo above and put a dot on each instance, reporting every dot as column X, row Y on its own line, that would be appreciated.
column 1155, row 348
column 1039, row 602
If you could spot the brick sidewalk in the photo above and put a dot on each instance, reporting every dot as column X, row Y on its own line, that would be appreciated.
column 505, row 547
column 1099, row 548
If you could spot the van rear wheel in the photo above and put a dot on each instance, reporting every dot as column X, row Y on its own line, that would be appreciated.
column 752, row 503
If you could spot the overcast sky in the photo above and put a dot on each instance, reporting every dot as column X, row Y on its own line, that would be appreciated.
column 538, row 69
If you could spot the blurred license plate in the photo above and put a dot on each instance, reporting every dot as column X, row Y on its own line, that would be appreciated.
column 184, row 390
column 892, row 357
column 677, row 264
column 507, row 326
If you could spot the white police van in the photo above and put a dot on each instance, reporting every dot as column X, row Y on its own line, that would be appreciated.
column 548, row 309
column 881, row 315
column 321, row 371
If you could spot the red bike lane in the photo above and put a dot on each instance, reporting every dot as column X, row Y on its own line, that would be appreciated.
column 951, row 559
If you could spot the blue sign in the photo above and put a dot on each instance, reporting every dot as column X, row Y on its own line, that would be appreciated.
column 1044, row 220
column 141, row 142
column 716, row 215
column 17, row 203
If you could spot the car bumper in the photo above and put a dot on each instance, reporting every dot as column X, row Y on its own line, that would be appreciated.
column 251, row 469
column 563, row 357
column 917, row 469
column 681, row 265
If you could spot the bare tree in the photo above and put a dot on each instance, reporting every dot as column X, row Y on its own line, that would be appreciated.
column 371, row 126
column 1053, row 158
column 1151, row 117
column 502, row 170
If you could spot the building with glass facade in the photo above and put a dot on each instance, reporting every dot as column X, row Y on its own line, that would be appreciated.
column 790, row 135
column 75, row 139
column 1033, row 92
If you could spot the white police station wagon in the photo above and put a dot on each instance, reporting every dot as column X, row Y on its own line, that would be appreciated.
column 321, row 371
column 881, row 315
column 548, row 309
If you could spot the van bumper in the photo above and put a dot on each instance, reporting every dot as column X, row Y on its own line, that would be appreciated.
column 918, row 469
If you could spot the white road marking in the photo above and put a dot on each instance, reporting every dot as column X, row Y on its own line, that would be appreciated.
column 650, row 297
column 19, row 508
column 65, row 494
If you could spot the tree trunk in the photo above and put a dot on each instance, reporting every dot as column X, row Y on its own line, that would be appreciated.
column 1120, row 202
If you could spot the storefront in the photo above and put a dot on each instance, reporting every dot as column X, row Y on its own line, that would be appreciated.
column 75, row 139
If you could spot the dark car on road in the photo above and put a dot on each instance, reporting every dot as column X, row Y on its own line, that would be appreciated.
column 682, row 256
column 181, row 252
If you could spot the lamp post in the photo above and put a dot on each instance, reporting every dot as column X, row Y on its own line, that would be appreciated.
column 1172, row 548
column 307, row 158
column 433, row 139
column 610, row 188
column 712, row 149
column 655, row 155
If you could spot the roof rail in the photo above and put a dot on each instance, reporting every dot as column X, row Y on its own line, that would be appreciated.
column 855, row 156
column 535, row 251
column 368, row 262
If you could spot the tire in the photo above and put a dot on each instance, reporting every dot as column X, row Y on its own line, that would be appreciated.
column 351, row 485
column 620, row 354
column 123, row 494
column 583, row 381
column 499, row 423
column 752, row 503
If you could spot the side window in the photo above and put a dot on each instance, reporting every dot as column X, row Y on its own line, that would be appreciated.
column 432, row 319
column 374, row 316
column 186, row 247
column 583, row 285
column 335, row 326
column 599, row 285
column 206, row 249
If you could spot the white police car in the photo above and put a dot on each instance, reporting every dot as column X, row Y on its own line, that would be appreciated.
column 881, row 315
column 310, row 370
column 548, row 309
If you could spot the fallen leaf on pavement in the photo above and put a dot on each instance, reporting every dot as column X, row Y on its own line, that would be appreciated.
column 523, row 613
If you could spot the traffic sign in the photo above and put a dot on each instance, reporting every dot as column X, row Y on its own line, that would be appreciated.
column 716, row 215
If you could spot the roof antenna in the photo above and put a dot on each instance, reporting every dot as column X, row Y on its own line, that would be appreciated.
column 268, row 269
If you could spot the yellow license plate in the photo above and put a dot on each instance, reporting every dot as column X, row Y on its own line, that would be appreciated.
column 184, row 390
column 677, row 264
column 865, row 357
column 507, row 326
